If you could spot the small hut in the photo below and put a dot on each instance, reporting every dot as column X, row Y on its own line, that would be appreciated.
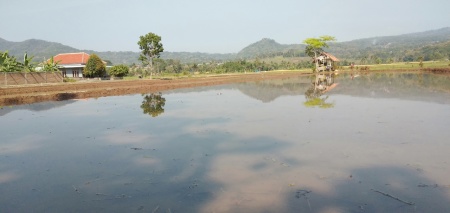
column 326, row 62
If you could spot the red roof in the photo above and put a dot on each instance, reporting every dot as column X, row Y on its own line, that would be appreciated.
column 71, row 58
column 333, row 58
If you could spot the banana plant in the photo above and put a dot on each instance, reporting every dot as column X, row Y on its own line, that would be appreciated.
column 27, row 63
column 9, row 63
column 50, row 65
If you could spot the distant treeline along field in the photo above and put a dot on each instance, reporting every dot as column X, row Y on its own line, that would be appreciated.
column 265, row 54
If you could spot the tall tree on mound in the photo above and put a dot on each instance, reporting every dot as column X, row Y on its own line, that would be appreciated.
column 94, row 67
column 151, row 47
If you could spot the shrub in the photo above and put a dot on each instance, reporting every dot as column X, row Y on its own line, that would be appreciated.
column 365, row 68
column 69, row 80
column 94, row 67
column 119, row 70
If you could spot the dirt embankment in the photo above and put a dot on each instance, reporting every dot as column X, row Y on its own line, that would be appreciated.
column 16, row 95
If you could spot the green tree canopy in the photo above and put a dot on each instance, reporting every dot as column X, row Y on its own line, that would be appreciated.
column 318, row 102
column 314, row 46
column 119, row 70
column 151, row 47
column 94, row 67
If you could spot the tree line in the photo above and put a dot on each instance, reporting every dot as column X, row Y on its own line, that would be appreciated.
column 151, row 48
column 171, row 66
column 95, row 66
column 11, row 64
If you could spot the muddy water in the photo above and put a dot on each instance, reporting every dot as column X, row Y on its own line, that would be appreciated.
column 381, row 144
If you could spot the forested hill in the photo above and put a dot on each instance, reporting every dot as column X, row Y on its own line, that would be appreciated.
column 270, row 48
column 42, row 50
column 430, row 45
column 38, row 48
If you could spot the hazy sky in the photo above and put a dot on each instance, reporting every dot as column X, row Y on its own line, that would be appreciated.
column 213, row 26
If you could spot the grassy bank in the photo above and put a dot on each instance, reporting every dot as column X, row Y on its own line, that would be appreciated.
column 402, row 66
column 369, row 67
column 170, row 76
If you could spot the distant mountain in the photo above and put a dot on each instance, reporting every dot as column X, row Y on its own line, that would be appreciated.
column 38, row 48
column 269, row 47
column 42, row 50
column 405, row 40
column 198, row 57
column 430, row 45
column 264, row 46
column 396, row 47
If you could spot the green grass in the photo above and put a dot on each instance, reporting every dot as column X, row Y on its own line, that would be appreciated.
column 403, row 66
column 170, row 76
column 69, row 80
column 371, row 67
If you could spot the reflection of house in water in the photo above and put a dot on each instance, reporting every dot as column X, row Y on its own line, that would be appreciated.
column 324, row 81
column 326, row 62
column 321, row 83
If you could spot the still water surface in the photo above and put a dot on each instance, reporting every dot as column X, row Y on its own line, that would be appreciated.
column 369, row 143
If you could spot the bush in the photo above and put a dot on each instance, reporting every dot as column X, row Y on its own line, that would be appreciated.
column 119, row 70
column 94, row 67
column 365, row 68
column 69, row 80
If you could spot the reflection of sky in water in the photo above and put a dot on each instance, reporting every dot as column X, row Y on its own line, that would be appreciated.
column 216, row 149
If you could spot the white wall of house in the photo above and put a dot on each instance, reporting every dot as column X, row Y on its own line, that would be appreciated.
column 72, row 71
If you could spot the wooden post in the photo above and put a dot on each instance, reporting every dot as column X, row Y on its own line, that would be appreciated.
column 315, row 60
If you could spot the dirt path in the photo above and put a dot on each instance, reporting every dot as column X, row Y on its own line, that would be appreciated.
column 26, row 94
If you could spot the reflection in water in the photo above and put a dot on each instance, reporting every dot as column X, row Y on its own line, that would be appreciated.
column 35, row 107
column 268, row 91
column 153, row 104
column 321, row 83
column 234, row 153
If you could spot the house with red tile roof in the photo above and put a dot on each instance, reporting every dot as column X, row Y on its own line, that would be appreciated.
column 72, row 64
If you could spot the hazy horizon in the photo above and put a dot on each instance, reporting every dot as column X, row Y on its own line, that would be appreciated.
column 212, row 27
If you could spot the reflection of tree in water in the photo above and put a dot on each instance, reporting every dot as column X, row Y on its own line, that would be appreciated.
column 321, row 84
column 153, row 104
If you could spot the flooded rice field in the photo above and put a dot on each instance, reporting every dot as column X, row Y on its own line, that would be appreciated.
column 377, row 142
